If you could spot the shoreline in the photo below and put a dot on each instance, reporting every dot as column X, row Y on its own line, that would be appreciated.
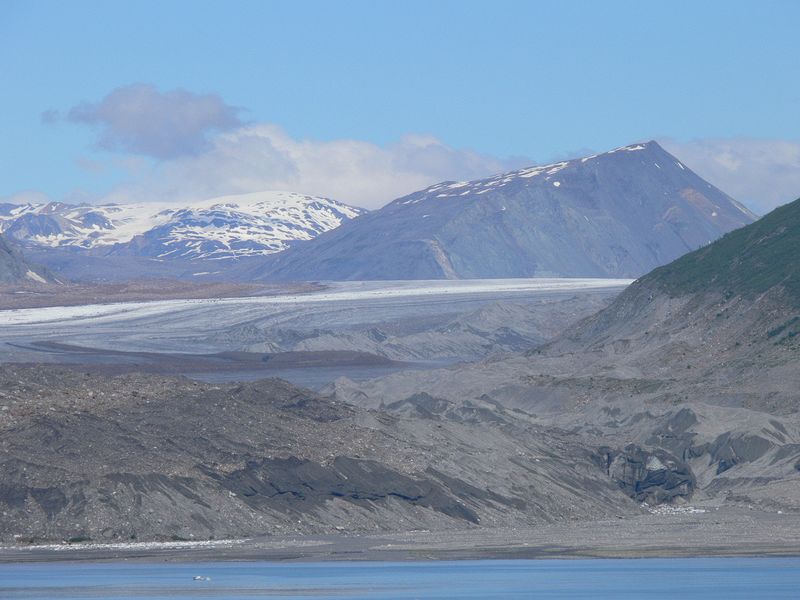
column 723, row 533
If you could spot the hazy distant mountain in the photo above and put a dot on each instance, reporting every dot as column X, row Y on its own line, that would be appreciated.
column 617, row 214
column 15, row 269
column 221, row 228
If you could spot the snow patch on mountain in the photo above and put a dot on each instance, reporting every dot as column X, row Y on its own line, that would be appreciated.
column 463, row 188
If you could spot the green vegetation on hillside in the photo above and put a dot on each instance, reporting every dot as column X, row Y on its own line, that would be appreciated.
column 747, row 261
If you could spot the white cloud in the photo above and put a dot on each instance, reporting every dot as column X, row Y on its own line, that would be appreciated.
column 26, row 197
column 761, row 173
column 260, row 157
column 140, row 119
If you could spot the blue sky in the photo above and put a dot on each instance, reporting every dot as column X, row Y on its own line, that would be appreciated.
column 365, row 101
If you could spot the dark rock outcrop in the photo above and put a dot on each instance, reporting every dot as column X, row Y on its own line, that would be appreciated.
column 299, row 486
column 651, row 476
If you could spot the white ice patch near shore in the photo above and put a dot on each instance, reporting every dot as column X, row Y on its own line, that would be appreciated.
column 666, row 509
column 176, row 545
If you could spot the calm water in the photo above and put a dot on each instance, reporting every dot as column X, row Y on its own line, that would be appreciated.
column 705, row 579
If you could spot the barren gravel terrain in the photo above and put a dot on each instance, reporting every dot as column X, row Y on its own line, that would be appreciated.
column 685, row 533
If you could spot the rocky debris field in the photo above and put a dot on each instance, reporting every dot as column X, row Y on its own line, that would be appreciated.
column 679, row 532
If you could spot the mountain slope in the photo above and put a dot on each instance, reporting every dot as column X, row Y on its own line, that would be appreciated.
column 15, row 269
column 740, row 296
column 145, row 458
column 617, row 214
column 245, row 225
column 699, row 359
column 749, row 261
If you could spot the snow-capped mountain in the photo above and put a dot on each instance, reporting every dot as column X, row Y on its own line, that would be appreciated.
column 616, row 214
column 228, row 227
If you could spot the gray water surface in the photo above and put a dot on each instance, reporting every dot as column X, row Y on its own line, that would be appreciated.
column 703, row 578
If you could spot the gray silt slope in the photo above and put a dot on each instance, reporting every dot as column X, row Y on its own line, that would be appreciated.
column 146, row 458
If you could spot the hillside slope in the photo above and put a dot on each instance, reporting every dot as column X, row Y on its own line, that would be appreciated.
column 750, row 261
column 15, row 269
column 699, row 359
column 734, row 304
column 144, row 458
column 617, row 214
